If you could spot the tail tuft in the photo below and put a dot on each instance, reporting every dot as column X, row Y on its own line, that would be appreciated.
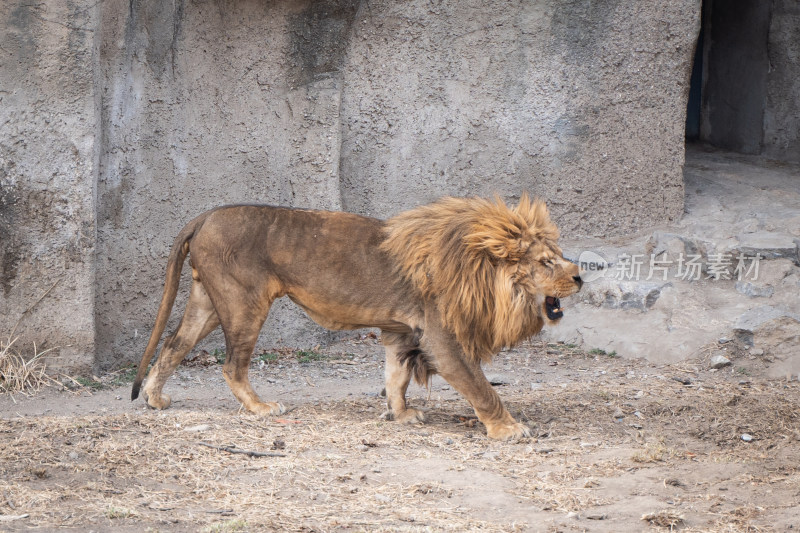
column 135, row 391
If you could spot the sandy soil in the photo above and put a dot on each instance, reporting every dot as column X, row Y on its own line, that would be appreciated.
column 615, row 440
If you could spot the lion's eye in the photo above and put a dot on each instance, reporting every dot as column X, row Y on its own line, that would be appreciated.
column 548, row 262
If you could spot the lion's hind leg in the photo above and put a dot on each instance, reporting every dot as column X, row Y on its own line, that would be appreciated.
column 199, row 319
column 401, row 365
column 242, row 325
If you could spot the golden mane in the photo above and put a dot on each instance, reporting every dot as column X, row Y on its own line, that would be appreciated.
column 463, row 254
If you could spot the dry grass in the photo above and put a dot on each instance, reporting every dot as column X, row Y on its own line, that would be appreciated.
column 335, row 466
column 665, row 518
column 654, row 452
column 19, row 374
column 343, row 469
column 154, row 468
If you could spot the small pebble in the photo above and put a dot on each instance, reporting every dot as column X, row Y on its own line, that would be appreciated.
column 497, row 379
column 747, row 437
column 719, row 361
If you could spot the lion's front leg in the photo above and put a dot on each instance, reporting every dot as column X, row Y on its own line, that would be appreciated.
column 468, row 379
column 398, row 375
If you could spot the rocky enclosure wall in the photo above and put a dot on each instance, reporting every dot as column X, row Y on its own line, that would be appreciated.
column 122, row 120
column 782, row 108
column 49, row 140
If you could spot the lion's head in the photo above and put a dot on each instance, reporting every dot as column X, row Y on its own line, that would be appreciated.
column 495, row 272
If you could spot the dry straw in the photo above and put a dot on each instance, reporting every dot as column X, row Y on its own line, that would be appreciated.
column 665, row 518
column 20, row 374
column 333, row 465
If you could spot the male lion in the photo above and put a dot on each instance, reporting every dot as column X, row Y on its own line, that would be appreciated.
column 448, row 284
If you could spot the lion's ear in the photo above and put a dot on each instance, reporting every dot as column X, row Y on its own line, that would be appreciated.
column 511, row 249
column 499, row 232
column 500, row 243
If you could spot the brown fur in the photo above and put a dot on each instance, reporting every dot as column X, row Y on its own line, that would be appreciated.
column 449, row 285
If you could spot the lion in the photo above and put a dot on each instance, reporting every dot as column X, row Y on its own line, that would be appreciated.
column 448, row 284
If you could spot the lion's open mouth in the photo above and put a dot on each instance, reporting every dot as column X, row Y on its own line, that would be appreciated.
column 552, row 306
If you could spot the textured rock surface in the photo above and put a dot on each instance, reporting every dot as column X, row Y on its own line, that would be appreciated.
column 533, row 96
column 375, row 108
column 769, row 245
column 782, row 110
column 719, row 361
column 121, row 120
column 735, row 205
column 754, row 291
column 48, row 155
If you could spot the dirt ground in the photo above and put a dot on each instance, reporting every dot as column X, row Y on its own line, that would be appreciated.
column 619, row 445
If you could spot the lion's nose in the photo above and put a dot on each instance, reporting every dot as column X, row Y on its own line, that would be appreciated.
column 578, row 280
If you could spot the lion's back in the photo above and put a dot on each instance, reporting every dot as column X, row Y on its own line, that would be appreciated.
column 325, row 255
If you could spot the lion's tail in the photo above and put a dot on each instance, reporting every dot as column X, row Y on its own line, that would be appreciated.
column 180, row 249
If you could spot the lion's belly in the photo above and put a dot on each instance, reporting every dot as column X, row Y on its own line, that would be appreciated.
column 331, row 313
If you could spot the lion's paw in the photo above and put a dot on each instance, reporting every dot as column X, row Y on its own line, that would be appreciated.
column 267, row 408
column 409, row 416
column 509, row 431
column 159, row 401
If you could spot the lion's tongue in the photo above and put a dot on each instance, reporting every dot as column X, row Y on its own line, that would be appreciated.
column 553, row 308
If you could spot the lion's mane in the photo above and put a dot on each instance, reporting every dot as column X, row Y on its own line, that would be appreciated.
column 465, row 254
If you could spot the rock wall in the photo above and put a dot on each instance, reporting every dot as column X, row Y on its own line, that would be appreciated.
column 741, row 230
column 370, row 107
column 756, row 113
column 736, row 36
column 782, row 113
column 48, row 166
column 578, row 102
column 208, row 103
